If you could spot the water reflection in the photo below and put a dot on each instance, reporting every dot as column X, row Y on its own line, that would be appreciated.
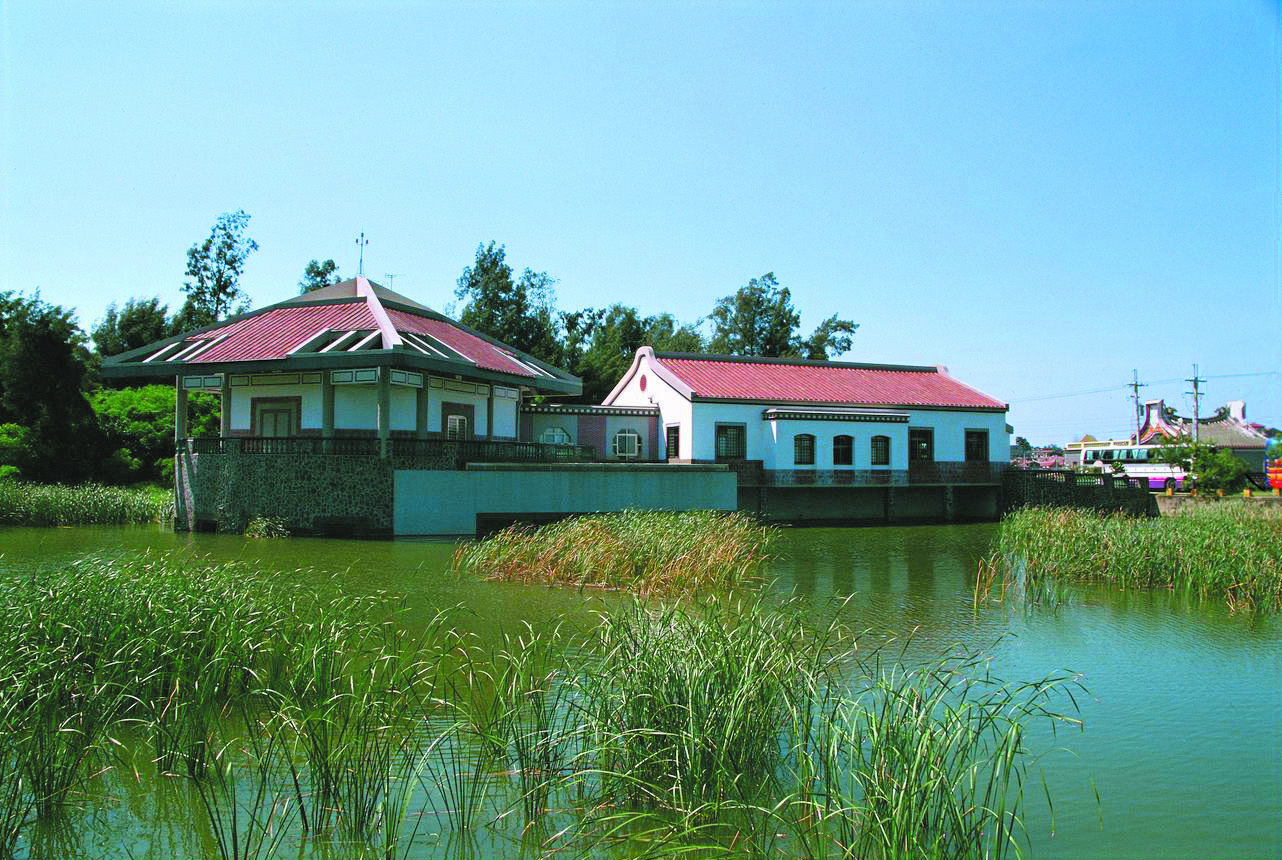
column 1186, row 698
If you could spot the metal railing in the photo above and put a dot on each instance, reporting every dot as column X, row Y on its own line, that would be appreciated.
column 455, row 453
column 917, row 474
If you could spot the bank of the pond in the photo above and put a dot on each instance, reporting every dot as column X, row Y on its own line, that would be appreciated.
column 1226, row 551
column 318, row 723
column 644, row 552
column 24, row 504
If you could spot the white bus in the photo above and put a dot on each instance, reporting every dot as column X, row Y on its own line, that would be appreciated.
column 1123, row 456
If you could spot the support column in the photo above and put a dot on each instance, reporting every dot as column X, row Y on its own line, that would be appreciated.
column 421, row 400
column 180, row 412
column 950, row 504
column 489, row 414
column 384, row 410
column 224, row 418
column 327, row 412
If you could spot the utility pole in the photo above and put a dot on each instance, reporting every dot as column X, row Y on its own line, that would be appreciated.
column 1135, row 387
column 1195, row 380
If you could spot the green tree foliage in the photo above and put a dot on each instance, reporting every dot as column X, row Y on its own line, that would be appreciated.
column 759, row 320
column 139, row 323
column 139, row 425
column 318, row 275
column 517, row 312
column 831, row 338
column 1023, row 448
column 43, row 377
column 214, row 267
column 1211, row 468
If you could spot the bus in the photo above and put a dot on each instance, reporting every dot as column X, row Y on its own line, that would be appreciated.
column 1123, row 456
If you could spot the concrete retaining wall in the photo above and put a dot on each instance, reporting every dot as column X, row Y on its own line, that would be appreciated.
column 448, row 503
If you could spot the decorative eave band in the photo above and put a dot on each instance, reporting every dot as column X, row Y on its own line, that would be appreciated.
column 775, row 414
column 585, row 409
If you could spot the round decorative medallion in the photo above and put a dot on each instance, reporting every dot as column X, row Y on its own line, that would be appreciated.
column 643, row 382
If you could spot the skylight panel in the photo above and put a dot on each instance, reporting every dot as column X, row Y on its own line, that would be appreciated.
column 340, row 341
column 533, row 368
column 164, row 349
column 365, row 340
column 190, row 348
column 209, row 344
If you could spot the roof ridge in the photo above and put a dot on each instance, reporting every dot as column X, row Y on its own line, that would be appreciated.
column 800, row 362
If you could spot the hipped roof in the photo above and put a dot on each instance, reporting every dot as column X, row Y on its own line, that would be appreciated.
column 352, row 323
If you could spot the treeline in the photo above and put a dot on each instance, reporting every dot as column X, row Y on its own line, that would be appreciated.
column 58, row 423
column 597, row 344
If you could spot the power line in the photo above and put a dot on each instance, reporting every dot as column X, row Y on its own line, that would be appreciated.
column 1126, row 385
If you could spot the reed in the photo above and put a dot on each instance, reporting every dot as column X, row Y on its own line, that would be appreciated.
column 23, row 504
column 1226, row 550
column 645, row 552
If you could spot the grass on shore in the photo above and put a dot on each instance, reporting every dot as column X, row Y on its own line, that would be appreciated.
column 721, row 727
column 23, row 504
column 1223, row 550
column 645, row 552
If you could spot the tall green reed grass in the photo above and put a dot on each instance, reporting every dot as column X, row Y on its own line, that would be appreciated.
column 1226, row 550
column 712, row 726
column 23, row 504
column 646, row 552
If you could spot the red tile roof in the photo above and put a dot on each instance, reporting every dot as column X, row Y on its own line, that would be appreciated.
column 479, row 351
column 274, row 333
column 723, row 377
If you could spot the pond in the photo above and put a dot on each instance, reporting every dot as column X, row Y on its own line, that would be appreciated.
column 1183, row 724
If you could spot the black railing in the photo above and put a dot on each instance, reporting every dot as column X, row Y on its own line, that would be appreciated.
column 444, row 453
column 916, row 474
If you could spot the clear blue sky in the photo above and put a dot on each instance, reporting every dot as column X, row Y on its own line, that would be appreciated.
column 1040, row 195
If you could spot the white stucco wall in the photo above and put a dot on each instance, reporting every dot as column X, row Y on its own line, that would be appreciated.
column 673, row 407
column 243, row 395
column 439, row 396
column 950, row 432
column 505, row 417
column 861, row 434
column 568, row 423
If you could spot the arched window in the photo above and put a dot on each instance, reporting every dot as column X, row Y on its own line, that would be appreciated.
column 627, row 443
column 843, row 450
column 881, row 450
column 803, row 449
column 554, row 436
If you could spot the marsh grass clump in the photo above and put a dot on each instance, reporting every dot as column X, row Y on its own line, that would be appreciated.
column 23, row 504
column 1223, row 550
column 260, row 526
column 645, row 552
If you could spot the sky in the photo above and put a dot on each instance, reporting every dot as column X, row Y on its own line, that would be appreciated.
column 1042, row 196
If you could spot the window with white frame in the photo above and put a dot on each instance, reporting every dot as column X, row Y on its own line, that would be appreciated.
column 627, row 443
column 555, row 436
column 456, row 427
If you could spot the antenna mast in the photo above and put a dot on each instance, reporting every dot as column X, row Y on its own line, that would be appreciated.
column 361, row 243
column 1196, row 401
column 391, row 280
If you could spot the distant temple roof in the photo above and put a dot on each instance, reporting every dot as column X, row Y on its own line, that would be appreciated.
column 1227, row 427
column 343, row 325
column 775, row 380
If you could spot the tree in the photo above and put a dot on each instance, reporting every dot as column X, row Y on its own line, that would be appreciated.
column 831, row 338
column 759, row 320
column 1023, row 448
column 214, row 267
column 516, row 312
column 138, row 424
column 1211, row 468
column 43, row 376
column 665, row 334
column 141, row 322
column 318, row 275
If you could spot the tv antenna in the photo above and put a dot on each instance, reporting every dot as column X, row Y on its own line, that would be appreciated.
column 361, row 243
column 391, row 279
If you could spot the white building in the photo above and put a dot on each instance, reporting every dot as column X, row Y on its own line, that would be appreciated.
column 852, row 423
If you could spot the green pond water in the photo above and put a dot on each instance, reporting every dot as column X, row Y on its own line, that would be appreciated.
column 1183, row 724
